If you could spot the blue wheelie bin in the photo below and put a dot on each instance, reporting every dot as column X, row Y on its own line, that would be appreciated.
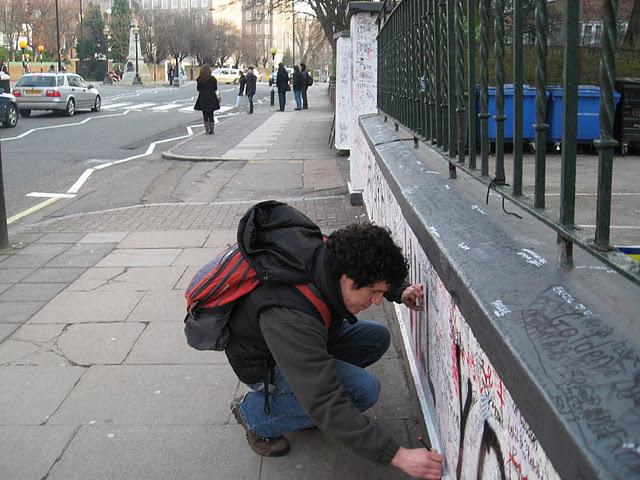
column 528, row 113
column 588, row 113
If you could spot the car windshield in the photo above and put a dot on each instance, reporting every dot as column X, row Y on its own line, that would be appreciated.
column 36, row 81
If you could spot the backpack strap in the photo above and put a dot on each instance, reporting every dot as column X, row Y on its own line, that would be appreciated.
column 312, row 294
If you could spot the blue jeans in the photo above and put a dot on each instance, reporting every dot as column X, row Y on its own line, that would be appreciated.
column 353, row 347
column 297, row 95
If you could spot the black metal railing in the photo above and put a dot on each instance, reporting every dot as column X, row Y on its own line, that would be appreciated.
column 425, row 53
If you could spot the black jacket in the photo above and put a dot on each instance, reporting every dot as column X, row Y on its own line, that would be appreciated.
column 305, row 79
column 207, row 99
column 251, row 80
column 297, row 80
column 282, row 79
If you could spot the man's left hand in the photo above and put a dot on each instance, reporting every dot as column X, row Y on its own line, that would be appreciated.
column 413, row 297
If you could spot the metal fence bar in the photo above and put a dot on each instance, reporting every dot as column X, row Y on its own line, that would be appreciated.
column 444, row 106
column 437, row 71
column 439, row 113
column 606, row 143
column 499, row 116
column 570, row 130
column 471, row 80
column 518, row 80
column 541, row 125
column 484, row 87
column 451, row 76
column 460, row 107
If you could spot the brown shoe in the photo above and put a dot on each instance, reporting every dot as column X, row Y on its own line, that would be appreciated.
column 265, row 446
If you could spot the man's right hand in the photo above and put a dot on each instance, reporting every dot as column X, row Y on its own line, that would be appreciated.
column 419, row 463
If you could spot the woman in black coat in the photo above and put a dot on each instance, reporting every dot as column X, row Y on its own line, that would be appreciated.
column 282, row 82
column 207, row 98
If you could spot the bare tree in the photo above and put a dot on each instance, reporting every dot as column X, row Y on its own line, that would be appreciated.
column 154, row 30
column 178, row 36
column 202, row 42
column 225, row 37
column 310, row 39
column 12, row 16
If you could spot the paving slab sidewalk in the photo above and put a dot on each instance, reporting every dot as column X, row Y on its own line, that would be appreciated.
column 97, row 379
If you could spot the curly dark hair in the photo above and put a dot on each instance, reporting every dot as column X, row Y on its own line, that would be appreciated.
column 366, row 254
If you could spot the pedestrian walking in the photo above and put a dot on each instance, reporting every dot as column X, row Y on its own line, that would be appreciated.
column 3, row 67
column 207, row 100
column 250, row 89
column 242, row 82
column 282, row 82
column 306, row 373
column 297, row 87
column 307, row 81
column 170, row 74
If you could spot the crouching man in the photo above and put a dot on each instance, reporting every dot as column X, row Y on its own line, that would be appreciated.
column 303, row 374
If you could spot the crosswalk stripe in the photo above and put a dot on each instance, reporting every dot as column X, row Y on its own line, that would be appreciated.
column 142, row 105
column 115, row 105
column 168, row 106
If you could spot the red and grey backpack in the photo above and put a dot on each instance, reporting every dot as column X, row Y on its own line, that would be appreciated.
column 235, row 272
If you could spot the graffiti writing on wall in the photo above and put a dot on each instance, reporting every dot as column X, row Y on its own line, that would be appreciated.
column 482, row 433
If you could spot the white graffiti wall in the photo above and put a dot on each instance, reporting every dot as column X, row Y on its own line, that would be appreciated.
column 364, row 84
column 479, row 427
column 343, row 93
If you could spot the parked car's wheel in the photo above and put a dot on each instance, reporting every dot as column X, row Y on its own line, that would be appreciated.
column 11, row 117
column 25, row 112
column 71, row 108
column 97, row 104
column 235, row 82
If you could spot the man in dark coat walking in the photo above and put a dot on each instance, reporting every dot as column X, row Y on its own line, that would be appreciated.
column 305, row 84
column 250, row 86
column 282, row 82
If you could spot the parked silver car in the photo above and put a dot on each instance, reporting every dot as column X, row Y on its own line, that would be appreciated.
column 65, row 92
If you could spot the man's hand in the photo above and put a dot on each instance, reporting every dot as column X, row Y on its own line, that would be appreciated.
column 419, row 463
column 413, row 297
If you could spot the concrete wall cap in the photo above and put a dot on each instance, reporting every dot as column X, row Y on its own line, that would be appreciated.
column 342, row 34
column 362, row 7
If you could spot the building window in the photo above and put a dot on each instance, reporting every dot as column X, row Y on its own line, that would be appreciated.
column 205, row 3
column 184, row 4
column 247, row 15
column 145, row 4
column 165, row 4
column 258, row 28
column 174, row 3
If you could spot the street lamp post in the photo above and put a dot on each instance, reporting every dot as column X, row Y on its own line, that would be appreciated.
column 58, row 37
column 136, row 34
column 107, row 36
column 23, row 44
column 41, row 51
column 274, row 50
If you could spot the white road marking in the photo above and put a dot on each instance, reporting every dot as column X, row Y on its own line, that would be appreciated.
column 50, row 127
column 83, row 178
column 168, row 106
column 87, row 173
column 116, row 105
column 50, row 195
column 140, row 106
